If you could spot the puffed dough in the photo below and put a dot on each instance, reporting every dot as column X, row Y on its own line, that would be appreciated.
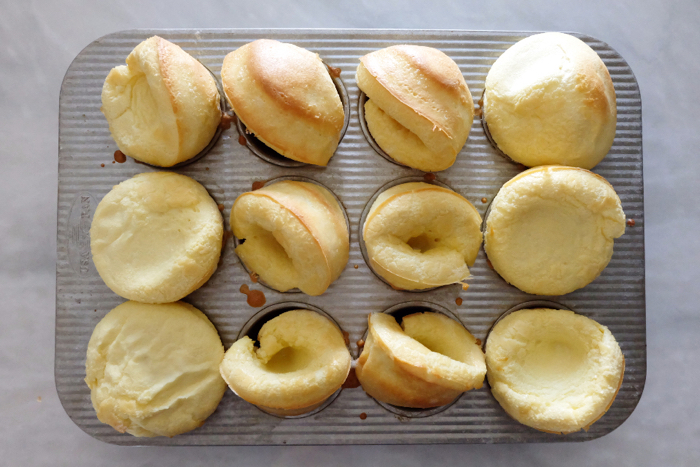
column 420, row 110
column 156, row 237
column 553, row 370
column 163, row 107
column 294, row 233
column 285, row 96
column 550, row 230
column 153, row 369
column 549, row 99
column 302, row 359
column 428, row 361
column 420, row 235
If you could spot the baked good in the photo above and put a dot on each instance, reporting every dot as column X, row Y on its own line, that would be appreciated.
column 301, row 360
column 153, row 369
column 549, row 99
column 428, row 361
column 156, row 237
column 420, row 235
column 293, row 234
column 420, row 109
column 550, row 230
column 163, row 107
column 553, row 370
column 285, row 96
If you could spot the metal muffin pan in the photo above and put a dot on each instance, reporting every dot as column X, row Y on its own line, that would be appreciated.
column 616, row 299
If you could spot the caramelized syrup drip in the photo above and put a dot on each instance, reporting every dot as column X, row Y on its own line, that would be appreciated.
column 220, row 206
column 356, row 266
column 361, row 343
column 458, row 301
column 351, row 381
column 346, row 338
column 363, row 416
column 484, row 200
column 242, row 141
column 478, row 342
column 488, row 263
column 334, row 72
column 254, row 277
column 102, row 165
column 226, row 120
column 119, row 156
column 429, row 177
column 258, row 185
column 465, row 286
column 631, row 222
column 255, row 297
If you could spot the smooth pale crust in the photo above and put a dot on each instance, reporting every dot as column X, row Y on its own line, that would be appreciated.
column 286, row 97
column 163, row 106
column 295, row 235
column 442, row 224
column 428, row 363
column 553, row 370
column 550, row 100
column 153, row 370
column 156, row 237
column 301, row 361
column 550, row 230
column 420, row 110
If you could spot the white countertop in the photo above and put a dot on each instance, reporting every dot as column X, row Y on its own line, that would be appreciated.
column 659, row 39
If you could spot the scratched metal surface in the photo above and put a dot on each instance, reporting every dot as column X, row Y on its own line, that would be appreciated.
column 616, row 299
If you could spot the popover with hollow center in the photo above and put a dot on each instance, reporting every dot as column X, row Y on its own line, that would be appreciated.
column 293, row 234
column 285, row 96
column 153, row 370
column 156, row 237
column 549, row 99
column 163, row 107
column 300, row 361
column 550, row 230
column 427, row 361
column 419, row 235
column 553, row 370
column 420, row 110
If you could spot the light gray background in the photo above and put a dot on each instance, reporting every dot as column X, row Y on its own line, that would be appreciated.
column 659, row 39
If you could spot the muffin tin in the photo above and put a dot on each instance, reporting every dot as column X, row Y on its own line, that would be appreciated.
column 355, row 173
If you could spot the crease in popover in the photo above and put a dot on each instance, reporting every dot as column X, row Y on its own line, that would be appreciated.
column 420, row 110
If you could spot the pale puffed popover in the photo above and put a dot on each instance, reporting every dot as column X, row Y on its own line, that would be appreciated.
column 550, row 230
column 419, row 235
column 163, row 107
column 553, row 370
column 285, row 96
column 293, row 234
column 427, row 361
column 301, row 360
column 153, row 370
column 156, row 237
column 420, row 110
column 549, row 99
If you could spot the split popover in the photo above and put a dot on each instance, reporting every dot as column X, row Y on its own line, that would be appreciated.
column 553, row 370
column 153, row 370
column 419, row 235
column 550, row 230
column 156, row 237
column 293, row 234
column 301, row 360
column 549, row 99
column 285, row 96
column 420, row 110
column 163, row 107
column 427, row 361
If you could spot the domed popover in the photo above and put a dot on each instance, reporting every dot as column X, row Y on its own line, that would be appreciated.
column 293, row 234
column 553, row 370
column 420, row 110
column 420, row 235
column 550, row 229
column 301, row 361
column 163, row 107
column 285, row 96
column 428, row 361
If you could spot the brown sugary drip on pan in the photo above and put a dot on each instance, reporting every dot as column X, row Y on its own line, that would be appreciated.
column 255, row 297
column 361, row 343
column 363, row 416
column 242, row 141
column 631, row 222
column 226, row 120
column 119, row 156
column 458, row 301
column 351, row 381
column 478, row 342
column 356, row 266
column 334, row 72
column 346, row 338
column 220, row 206
column 254, row 277
column 429, row 177
column 102, row 165
column 259, row 184
column 488, row 263
column 477, row 112
column 484, row 200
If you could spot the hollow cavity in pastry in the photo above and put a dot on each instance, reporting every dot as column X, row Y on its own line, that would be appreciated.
column 550, row 230
column 420, row 109
column 153, row 370
column 420, row 235
column 549, row 99
column 163, row 106
column 285, row 96
column 300, row 361
column 553, row 370
column 293, row 234
column 428, row 361
column 156, row 237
